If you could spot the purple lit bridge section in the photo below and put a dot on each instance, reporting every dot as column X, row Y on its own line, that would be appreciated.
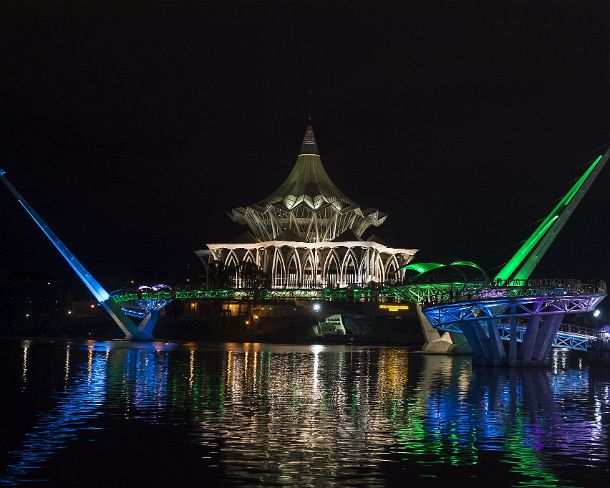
column 141, row 307
column 527, row 315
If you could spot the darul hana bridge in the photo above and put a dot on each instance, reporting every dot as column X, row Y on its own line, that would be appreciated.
column 527, row 314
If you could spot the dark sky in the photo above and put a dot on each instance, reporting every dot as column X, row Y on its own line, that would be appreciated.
column 133, row 127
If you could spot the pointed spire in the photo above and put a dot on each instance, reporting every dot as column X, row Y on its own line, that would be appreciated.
column 309, row 145
column 309, row 106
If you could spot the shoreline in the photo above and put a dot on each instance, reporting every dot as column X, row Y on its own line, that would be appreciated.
column 350, row 341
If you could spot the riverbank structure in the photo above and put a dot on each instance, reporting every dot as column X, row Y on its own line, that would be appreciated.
column 309, row 234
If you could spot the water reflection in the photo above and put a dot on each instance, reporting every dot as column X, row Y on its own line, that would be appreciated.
column 321, row 415
column 78, row 404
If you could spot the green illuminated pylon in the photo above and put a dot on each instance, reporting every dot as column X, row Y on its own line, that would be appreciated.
column 522, row 264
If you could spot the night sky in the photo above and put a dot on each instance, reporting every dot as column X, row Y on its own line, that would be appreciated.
column 133, row 127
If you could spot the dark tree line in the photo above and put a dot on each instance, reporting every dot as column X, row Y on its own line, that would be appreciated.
column 32, row 302
column 244, row 275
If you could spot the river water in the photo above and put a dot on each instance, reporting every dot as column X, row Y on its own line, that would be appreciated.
column 204, row 414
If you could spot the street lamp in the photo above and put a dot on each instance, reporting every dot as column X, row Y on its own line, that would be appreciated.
column 596, row 315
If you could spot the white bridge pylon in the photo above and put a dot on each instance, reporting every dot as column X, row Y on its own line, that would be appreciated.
column 135, row 332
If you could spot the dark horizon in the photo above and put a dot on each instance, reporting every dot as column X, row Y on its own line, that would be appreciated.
column 134, row 128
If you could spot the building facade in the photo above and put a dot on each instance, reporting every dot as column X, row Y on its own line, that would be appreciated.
column 308, row 234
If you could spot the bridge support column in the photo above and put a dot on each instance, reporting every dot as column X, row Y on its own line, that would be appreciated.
column 476, row 339
column 529, row 338
column 498, row 354
column 148, row 324
column 132, row 332
column 512, row 347
column 435, row 342
column 550, row 326
column 538, row 339
column 430, row 333
column 488, row 348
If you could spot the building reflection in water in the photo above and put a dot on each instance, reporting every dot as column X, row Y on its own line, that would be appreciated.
column 328, row 414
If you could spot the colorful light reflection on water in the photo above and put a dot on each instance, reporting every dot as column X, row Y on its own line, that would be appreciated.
column 242, row 414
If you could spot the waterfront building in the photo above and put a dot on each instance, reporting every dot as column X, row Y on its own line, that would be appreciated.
column 308, row 234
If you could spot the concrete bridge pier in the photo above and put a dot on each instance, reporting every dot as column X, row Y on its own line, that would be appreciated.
column 436, row 343
column 485, row 341
column 133, row 332
column 538, row 338
column 477, row 339
column 544, row 337
column 484, row 337
column 496, row 347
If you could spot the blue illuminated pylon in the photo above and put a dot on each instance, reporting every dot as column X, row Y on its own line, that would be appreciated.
column 131, row 330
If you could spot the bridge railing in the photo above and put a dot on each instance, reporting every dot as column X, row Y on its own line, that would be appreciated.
column 600, row 342
column 345, row 294
column 428, row 294
column 568, row 285
column 577, row 330
column 519, row 289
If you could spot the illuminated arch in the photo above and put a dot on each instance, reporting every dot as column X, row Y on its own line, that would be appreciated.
column 391, row 267
column 331, row 270
column 309, row 270
column 248, row 258
column 379, row 268
column 233, row 260
column 293, row 270
column 363, row 268
column 278, row 269
column 349, row 269
column 470, row 264
column 422, row 268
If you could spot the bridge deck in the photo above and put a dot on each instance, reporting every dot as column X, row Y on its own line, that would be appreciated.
column 446, row 304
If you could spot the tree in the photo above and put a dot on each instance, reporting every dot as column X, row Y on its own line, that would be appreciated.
column 245, row 275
